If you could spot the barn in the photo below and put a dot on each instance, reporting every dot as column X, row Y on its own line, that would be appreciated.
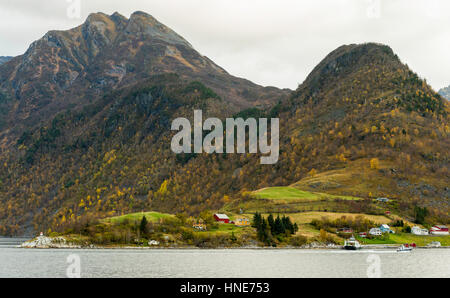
column 439, row 230
column 223, row 218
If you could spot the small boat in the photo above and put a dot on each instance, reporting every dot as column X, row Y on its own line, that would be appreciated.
column 352, row 244
column 434, row 244
column 404, row 248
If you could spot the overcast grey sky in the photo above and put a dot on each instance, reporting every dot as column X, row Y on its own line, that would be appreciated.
column 271, row 42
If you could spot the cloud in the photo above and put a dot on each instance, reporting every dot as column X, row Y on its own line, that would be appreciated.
column 271, row 42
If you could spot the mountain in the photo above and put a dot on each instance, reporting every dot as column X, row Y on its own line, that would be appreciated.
column 445, row 92
column 4, row 59
column 68, row 68
column 362, row 104
column 362, row 124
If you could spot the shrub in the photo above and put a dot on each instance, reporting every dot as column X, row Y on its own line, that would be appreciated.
column 298, row 240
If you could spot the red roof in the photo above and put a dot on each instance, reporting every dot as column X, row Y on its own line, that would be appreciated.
column 222, row 217
column 439, row 228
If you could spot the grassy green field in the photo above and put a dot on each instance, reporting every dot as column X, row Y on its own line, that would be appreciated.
column 419, row 240
column 378, row 241
column 308, row 217
column 289, row 194
column 227, row 228
column 402, row 238
column 356, row 179
column 150, row 216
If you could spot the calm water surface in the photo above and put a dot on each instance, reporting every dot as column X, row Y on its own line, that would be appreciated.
column 16, row 262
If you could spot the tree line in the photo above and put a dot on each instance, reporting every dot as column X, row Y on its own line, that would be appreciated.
column 271, row 229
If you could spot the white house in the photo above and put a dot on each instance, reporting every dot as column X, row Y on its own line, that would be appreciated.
column 386, row 229
column 153, row 242
column 384, row 200
column 375, row 232
column 419, row 231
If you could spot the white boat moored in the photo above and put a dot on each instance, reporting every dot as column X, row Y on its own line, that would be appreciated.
column 404, row 248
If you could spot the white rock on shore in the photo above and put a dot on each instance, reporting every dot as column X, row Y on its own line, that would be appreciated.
column 315, row 245
column 48, row 242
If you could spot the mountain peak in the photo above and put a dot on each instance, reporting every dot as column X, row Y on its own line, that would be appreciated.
column 108, row 52
column 368, row 74
column 369, row 47
column 96, row 16
column 118, row 17
column 355, row 55
column 348, row 59
column 141, row 23
column 140, row 13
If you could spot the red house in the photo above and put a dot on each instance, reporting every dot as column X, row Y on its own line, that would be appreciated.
column 439, row 230
column 345, row 231
column 223, row 218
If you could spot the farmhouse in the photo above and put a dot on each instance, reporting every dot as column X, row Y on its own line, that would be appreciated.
column 383, row 200
column 386, row 229
column 222, row 218
column 242, row 222
column 345, row 231
column 419, row 231
column 375, row 232
column 439, row 230
column 199, row 226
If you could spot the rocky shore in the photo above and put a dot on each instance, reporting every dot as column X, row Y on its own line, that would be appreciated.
column 43, row 242
column 49, row 242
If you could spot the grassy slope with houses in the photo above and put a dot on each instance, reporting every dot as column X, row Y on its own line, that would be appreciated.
column 305, row 208
column 318, row 206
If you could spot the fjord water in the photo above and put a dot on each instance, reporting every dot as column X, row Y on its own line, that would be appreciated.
column 192, row 263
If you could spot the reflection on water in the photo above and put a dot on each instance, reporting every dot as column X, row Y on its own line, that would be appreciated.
column 15, row 262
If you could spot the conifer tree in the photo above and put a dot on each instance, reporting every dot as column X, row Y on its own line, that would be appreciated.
column 271, row 223
column 143, row 225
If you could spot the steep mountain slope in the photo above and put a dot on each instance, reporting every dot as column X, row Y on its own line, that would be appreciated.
column 116, row 149
column 74, row 67
column 361, row 104
column 4, row 59
column 445, row 92
column 362, row 124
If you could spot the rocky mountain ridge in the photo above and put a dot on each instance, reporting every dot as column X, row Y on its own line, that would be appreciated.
column 74, row 67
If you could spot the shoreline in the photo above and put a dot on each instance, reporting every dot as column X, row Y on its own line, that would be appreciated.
column 337, row 247
column 223, row 248
column 43, row 242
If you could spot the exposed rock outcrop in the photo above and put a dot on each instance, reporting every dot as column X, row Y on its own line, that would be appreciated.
column 49, row 242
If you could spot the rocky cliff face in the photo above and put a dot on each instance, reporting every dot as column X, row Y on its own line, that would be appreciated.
column 105, row 53
column 4, row 59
